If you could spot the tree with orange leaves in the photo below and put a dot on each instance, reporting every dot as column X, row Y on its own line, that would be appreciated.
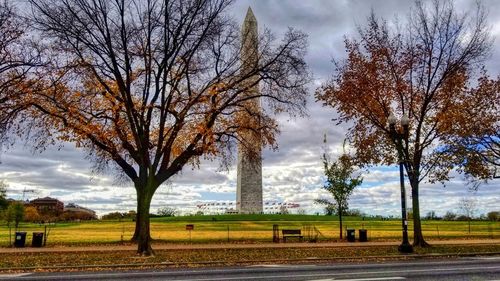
column 425, row 71
column 31, row 214
column 473, row 128
column 151, row 86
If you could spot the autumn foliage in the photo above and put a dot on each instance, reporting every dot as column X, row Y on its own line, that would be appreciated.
column 429, row 70
column 31, row 214
column 151, row 86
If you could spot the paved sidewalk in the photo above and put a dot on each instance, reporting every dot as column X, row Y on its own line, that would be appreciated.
column 163, row 246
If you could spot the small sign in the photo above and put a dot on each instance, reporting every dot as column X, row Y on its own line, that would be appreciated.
column 189, row 226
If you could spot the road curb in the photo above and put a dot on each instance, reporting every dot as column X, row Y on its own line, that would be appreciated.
column 202, row 263
column 237, row 246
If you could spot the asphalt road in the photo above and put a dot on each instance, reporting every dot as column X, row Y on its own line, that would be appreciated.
column 473, row 268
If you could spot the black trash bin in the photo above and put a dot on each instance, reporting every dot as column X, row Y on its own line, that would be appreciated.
column 351, row 235
column 37, row 239
column 363, row 235
column 20, row 239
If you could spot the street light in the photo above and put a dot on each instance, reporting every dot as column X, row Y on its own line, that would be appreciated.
column 397, row 138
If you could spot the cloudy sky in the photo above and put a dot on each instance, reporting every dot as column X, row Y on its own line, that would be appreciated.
column 292, row 174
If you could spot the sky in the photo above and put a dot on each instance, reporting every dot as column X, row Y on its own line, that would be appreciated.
column 293, row 174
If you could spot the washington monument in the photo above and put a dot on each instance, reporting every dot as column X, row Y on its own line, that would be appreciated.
column 249, row 174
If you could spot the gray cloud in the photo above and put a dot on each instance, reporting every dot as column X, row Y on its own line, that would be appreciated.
column 291, row 174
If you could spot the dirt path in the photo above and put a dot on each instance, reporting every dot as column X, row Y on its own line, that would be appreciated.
column 132, row 247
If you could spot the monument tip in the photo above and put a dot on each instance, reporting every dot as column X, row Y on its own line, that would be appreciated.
column 250, row 16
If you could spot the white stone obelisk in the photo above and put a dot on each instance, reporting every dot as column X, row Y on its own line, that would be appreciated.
column 249, row 173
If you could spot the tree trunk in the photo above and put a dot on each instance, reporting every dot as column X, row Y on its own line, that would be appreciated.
column 340, row 221
column 135, row 237
column 418, row 238
column 139, row 211
column 144, row 196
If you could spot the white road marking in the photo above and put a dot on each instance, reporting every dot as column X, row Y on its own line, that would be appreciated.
column 294, row 275
column 485, row 258
column 268, row 265
column 363, row 279
column 14, row 275
column 373, row 279
column 281, row 266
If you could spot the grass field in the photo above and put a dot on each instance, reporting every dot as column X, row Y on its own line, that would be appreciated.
column 246, row 229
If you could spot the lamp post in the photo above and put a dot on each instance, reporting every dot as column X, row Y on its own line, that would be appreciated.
column 397, row 138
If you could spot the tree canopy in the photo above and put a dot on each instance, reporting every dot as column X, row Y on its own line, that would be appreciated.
column 14, row 213
column 429, row 70
column 152, row 86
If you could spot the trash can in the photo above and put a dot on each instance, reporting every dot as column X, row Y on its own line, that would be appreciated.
column 363, row 235
column 37, row 239
column 20, row 239
column 351, row 235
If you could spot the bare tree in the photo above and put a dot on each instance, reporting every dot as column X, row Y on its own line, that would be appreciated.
column 468, row 207
column 3, row 195
column 17, row 57
column 167, row 212
column 151, row 86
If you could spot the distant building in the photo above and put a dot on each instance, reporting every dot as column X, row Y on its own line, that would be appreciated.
column 232, row 211
column 76, row 209
column 48, row 205
column 11, row 200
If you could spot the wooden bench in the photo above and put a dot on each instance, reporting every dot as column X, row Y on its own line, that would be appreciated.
column 294, row 233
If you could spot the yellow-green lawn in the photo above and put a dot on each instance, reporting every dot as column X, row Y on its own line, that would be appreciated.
column 246, row 229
